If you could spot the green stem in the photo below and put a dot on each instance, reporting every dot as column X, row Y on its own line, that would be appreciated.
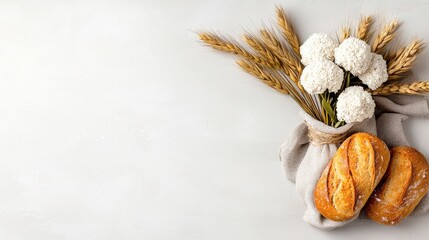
column 348, row 80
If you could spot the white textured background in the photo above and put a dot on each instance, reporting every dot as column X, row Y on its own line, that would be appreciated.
column 115, row 123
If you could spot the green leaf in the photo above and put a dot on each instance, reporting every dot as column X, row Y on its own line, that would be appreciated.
column 328, row 108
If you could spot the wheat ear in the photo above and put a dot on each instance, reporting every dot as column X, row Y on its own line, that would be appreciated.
column 401, row 64
column 419, row 87
column 364, row 29
column 288, row 32
column 345, row 33
column 262, row 50
column 384, row 37
column 291, row 65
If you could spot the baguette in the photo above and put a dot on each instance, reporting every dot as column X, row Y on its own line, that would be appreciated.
column 351, row 176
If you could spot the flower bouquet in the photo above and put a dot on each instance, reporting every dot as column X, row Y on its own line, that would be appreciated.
column 357, row 82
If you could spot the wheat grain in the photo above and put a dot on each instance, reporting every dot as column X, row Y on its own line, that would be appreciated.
column 384, row 37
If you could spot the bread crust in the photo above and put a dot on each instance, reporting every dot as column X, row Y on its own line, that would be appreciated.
column 351, row 176
column 403, row 186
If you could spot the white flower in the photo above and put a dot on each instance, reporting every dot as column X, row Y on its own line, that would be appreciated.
column 376, row 73
column 355, row 105
column 353, row 55
column 321, row 75
column 318, row 45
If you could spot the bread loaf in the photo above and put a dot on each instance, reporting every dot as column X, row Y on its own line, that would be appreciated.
column 403, row 186
column 351, row 176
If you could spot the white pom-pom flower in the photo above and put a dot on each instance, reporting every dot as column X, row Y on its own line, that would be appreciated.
column 318, row 45
column 353, row 55
column 321, row 75
column 376, row 73
column 355, row 105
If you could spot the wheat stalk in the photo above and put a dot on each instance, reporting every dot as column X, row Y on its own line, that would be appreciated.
column 419, row 87
column 304, row 100
column 223, row 44
column 271, row 48
column 291, row 65
column 288, row 32
column 364, row 28
column 275, row 80
column 254, row 62
column 258, row 72
column 259, row 47
column 257, row 66
column 384, row 37
column 401, row 64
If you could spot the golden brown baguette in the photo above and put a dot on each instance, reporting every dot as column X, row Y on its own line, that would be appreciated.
column 351, row 176
column 403, row 186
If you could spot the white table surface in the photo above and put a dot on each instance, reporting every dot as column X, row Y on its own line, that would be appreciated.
column 115, row 123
